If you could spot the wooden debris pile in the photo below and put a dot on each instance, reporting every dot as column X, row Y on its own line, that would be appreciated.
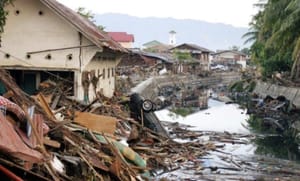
column 82, row 141
column 78, row 145
column 277, row 114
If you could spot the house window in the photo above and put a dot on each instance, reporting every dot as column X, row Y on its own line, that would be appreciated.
column 112, row 72
column 108, row 72
column 103, row 74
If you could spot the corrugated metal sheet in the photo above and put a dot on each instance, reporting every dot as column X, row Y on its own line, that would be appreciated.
column 192, row 46
column 11, row 143
column 84, row 26
column 230, row 51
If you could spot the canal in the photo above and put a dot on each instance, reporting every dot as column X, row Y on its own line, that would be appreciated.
column 243, row 152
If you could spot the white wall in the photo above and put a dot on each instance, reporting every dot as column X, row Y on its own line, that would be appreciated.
column 30, row 32
column 243, row 63
column 227, row 55
column 106, row 84
column 126, row 44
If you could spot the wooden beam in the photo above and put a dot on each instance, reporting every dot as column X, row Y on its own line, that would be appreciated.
column 97, row 123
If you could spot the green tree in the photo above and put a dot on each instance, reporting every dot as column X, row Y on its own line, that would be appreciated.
column 234, row 48
column 86, row 14
column 183, row 56
column 291, row 26
column 275, row 35
column 3, row 13
column 89, row 15
column 246, row 51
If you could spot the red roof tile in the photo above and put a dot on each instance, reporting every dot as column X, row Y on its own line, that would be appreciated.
column 121, row 36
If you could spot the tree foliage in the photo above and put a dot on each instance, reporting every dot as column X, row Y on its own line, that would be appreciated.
column 86, row 14
column 3, row 13
column 234, row 48
column 183, row 56
column 89, row 15
column 275, row 34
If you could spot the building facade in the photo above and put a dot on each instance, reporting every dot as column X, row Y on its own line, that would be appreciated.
column 43, row 38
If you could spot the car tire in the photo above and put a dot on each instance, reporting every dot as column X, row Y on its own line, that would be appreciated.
column 147, row 105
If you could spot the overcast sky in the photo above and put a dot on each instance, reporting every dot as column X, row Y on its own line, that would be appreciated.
column 235, row 12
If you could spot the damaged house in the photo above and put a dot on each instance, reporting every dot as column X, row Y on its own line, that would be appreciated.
column 147, row 62
column 230, row 57
column 199, row 58
column 43, row 39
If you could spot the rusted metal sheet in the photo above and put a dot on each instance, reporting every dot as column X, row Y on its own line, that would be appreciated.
column 11, row 143
column 41, row 128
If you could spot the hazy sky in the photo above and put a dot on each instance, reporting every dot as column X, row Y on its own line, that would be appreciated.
column 235, row 12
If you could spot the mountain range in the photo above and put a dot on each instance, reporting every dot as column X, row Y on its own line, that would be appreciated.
column 213, row 36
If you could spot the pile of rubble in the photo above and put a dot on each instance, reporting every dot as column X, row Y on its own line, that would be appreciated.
column 52, row 136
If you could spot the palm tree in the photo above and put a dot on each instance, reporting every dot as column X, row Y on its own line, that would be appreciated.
column 286, row 33
column 277, row 37
column 255, row 24
column 292, row 24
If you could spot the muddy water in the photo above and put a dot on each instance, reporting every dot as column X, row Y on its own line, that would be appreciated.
column 250, row 157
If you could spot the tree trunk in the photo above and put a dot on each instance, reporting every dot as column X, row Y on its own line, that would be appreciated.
column 295, row 72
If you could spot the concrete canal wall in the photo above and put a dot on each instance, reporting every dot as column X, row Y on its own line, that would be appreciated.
column 291, row 93
column 149, row 88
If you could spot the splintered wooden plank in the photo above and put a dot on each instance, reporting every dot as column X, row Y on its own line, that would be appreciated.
column 43, row 103
column 97, row 123
column 51, row 143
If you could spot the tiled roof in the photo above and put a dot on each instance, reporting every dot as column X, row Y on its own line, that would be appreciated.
column 121, row 36
column 84, row 26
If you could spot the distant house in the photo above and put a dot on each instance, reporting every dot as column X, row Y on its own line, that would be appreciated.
column 126, row 40
column 151, row 44
column 229, row 57
column 200, row 54
column 163, row 48
column 43, row 39
column 144, row 60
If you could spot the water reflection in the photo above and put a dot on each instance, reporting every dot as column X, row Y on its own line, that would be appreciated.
column 277, row 146
column 218, row 117
column 222, row 117
column 271, row 143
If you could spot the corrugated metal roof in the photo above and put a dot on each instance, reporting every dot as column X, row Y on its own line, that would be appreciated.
column 157, row 56
column 121, row 36
column 84, row 26
column 232, row 51
column 152, row 43
column 193, row 46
